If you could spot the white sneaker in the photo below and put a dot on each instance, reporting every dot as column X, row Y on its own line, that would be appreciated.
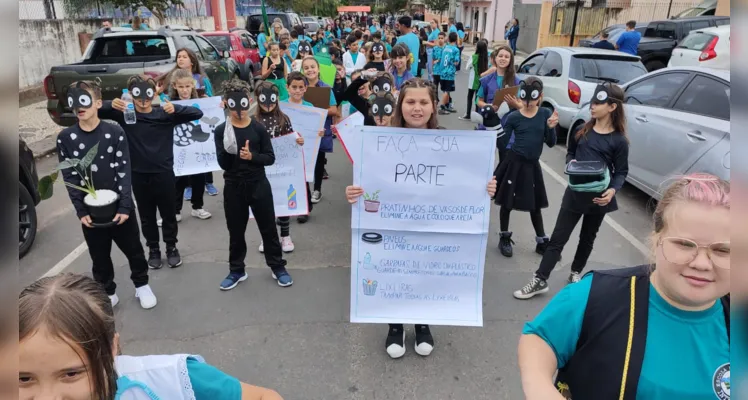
column 262, row 247
column 114, row 299
column 287, row 244
column 316, row 196
column 575, row 277
column 161, row 221
column 202, row 214
column 146, row 297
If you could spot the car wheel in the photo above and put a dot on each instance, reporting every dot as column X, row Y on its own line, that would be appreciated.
column 655, row 65
column 250, row 79
column 26, row 220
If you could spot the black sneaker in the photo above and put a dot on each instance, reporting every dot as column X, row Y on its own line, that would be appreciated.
column 324, row 174
column 424, row 340
column 302, row 219
column 395, row 343
column 535, row 286
column 154, row 258
column 443, row 111
column 542, row 244
column 173, row 257
column 505, row 244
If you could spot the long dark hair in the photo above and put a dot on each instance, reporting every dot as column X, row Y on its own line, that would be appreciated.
column 196, row 69
column 276, row 113
column 509, row 74
column 75, row 309
column 415, row 83
column 617, row 117
column 481, row 50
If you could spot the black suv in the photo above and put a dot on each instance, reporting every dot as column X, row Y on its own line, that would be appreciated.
column 661, row 37
column 28, row 198
column 289, row 20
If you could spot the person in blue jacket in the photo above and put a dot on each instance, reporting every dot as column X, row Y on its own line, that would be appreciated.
column 595, row 332
column 512, row 34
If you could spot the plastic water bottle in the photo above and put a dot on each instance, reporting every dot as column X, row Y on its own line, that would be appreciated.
column 291, row 198
column 130, row 117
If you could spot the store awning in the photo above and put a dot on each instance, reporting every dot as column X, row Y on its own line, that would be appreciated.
column 344, row 9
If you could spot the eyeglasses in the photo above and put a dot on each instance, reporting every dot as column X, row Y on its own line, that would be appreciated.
column 683, row 251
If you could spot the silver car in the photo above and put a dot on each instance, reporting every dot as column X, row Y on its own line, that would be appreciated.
column 678, row 122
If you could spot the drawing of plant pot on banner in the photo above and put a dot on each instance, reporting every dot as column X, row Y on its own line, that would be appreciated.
column 371, row 202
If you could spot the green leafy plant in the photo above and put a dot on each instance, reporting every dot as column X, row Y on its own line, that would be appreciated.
column 81, row 166
column 372, row 197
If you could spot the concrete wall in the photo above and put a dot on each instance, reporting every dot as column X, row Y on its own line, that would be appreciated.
column 723, row 8
column 529, row 23
column 46, row 43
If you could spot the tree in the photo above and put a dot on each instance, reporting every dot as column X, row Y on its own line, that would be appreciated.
column 298, row 6
column 393, row 6
column 157, row 7
column 438, row 6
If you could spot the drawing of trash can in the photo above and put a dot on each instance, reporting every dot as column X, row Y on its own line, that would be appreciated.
column 370, row 287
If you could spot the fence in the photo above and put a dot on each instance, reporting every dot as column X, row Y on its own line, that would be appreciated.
column 59, row 9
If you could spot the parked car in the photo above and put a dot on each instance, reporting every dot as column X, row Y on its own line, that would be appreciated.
column 706, row 8
column 311, row 27
column 708, row 47
column 309, row 18
column 242, row 48
column 570, row 75
column 661, row 37
column 289, row 20
column 614, row 32
column 678, row 122
column 115, row 56
column 28, row 198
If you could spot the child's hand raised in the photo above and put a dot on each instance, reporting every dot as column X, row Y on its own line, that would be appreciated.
column 352, row 193
column 244, row 152
column 168, row 107
column 119, row 105
column 553, row 120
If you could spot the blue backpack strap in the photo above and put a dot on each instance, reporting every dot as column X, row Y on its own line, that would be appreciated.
column 124, row 384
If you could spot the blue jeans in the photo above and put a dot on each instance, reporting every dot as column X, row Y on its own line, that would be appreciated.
column 430, row 63
column 513, row 45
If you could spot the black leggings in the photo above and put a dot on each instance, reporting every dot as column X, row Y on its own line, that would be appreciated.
column 565, row 223
column 319, row 170
column 535, row 216
column 471, row 93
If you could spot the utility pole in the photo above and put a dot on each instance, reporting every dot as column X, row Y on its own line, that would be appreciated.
column 669, row 7
column 574, row 22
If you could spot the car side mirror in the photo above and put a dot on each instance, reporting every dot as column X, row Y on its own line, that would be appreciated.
column 226, row 54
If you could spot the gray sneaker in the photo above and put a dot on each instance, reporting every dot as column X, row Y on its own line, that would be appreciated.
column 535, row 286
column 575, row 277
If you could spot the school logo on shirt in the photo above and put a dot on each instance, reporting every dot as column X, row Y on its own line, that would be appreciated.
column 721, row 382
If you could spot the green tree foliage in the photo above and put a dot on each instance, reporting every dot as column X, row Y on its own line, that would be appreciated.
column 438, row 6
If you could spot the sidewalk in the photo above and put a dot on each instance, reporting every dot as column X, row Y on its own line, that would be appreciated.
column 37, row 129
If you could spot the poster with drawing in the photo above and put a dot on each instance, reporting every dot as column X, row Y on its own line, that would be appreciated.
column 287, row 178
column 194, row 145
column 348, row 133
column 419, row 233
column 308, row 121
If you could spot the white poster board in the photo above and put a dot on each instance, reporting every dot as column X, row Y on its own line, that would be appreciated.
column 287, row 178
column 419, row 234
column 349, row 134
column 194, row 142
column 308, row 121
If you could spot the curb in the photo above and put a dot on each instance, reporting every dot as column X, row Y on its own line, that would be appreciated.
column 43, row 153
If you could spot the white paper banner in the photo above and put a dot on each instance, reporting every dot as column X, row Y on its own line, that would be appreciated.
column 419, row 234
column 287, row 178
column 194, row 143
column 349, row 134
column 308, row 121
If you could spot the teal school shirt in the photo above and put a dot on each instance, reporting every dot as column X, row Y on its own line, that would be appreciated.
column 434, row 35
column 684, row 349
column 412, row 41
column 437, row 56
column 209, row 382
column 294, row 48
column 261, row 40
column 303, row 102
column 450, row 55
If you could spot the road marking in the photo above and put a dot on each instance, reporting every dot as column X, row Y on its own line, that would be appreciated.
column 610, row 221
column 65, row 262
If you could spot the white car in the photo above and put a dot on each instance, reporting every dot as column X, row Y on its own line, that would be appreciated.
column 708, row 47
column 570, row 75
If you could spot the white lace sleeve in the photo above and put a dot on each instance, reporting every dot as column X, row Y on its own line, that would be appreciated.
column 229, row 139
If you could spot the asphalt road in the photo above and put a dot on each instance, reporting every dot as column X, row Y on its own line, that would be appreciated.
column 298, row 340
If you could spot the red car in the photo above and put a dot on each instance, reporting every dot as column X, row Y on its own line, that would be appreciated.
column 243, row 49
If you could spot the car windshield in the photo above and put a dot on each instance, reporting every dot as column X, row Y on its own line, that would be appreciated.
column 595, row 68
column 696, row 41
column 691, row 12
column 222, row 43
column 123, row 49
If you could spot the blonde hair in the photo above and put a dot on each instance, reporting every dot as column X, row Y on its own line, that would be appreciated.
column 176, row 76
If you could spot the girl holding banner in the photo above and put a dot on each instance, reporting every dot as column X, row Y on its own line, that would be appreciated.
column 415, row 109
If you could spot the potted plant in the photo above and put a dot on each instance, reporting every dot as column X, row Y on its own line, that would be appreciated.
column 371, row 202
column 102, row 203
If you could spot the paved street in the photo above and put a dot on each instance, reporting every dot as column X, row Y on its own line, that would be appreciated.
column 298, row 340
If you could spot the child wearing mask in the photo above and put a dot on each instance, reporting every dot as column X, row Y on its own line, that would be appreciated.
column 151, row 140
column 68, row 346
column 243, row 150
column 603, row 141
column 361, row 89
column 110, row 169
column 277, row 124
column 310, row 67
column 410, row 112
column 305, row 49
column 520, row 178
column 377, row 57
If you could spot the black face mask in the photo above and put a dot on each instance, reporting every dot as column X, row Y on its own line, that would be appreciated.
column 377, row 47
column 268, row 97
column 143, row 90
column 79, row 98
column 530, row 92
column 382, row 106
column 381, row 84
column 602, row 94
column 304, row 47
column 237, row 101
